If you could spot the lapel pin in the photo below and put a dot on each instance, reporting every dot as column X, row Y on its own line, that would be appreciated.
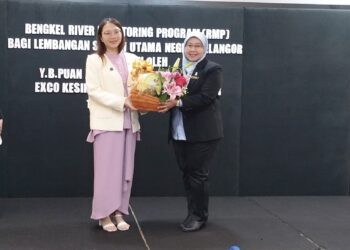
column 195, row 77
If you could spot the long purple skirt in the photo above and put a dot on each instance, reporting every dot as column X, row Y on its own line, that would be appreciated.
column 113, row 171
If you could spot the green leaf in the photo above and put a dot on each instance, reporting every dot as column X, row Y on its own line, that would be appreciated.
column 163, row 97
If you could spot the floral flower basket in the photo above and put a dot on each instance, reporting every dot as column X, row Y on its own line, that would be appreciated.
column 153, row 87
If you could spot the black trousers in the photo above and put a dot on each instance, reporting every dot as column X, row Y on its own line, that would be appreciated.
column 193, row 160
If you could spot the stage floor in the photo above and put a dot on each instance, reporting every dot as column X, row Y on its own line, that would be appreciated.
column 251, row 223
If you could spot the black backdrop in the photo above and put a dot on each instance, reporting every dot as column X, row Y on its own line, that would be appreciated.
column 295, row 102
column 285, row 101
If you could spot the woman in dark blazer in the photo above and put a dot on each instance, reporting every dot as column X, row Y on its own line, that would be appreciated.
column 196, row 127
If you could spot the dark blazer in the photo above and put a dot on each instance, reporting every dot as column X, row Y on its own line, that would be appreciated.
column 201, row 106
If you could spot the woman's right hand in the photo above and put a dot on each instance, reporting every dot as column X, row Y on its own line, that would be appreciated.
column 128, row 104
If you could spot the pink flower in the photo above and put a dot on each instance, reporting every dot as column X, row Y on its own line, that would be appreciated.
column 166, row 74
column 180, row 80
column 172, row 90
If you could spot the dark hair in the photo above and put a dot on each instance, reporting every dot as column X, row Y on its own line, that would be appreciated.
column 101, row 47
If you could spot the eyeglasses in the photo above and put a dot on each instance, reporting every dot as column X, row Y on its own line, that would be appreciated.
column 111, row 33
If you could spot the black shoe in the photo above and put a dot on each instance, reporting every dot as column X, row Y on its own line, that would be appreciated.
column 186, row 220
column 192, row 225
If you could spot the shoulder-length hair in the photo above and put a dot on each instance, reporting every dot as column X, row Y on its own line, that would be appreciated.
column 101, row 47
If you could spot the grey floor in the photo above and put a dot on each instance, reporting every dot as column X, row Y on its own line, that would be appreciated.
column 251, row 223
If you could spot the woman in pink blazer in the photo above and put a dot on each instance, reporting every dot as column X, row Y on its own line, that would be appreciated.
column 114, row 126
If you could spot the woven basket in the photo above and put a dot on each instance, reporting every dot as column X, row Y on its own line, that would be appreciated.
column 143, row 101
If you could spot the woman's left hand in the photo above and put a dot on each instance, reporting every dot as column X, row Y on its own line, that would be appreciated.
column 166, row 106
